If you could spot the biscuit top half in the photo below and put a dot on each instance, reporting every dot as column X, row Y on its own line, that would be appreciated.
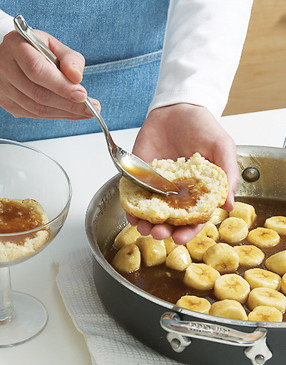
column 202, row 187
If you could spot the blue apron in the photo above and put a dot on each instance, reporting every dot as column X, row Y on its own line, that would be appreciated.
column 121, row 41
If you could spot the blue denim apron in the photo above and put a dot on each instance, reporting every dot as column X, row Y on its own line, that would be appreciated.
column 121, row 41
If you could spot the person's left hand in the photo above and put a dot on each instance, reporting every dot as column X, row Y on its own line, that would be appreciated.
column 179, row 131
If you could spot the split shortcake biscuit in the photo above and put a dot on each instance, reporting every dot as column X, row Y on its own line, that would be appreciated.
column 203, row 188
column 17, row 217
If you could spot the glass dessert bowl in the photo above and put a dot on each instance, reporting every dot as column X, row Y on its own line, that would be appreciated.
column 35, row 195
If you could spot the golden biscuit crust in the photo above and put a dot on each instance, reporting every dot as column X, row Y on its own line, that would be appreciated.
column 153, row 208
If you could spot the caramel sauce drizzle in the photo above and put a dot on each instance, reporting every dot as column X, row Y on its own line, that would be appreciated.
column 16, row 217
column 190, row 191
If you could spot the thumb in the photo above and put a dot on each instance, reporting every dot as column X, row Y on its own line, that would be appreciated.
column 71, row 62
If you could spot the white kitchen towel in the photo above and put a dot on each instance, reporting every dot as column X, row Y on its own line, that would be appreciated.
column 107, row 341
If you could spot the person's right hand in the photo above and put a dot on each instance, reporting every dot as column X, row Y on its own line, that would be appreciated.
column 30, row 86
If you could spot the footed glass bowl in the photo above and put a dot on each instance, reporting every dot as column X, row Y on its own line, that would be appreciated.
column 26, row 173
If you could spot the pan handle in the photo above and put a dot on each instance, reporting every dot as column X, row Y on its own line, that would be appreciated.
column 211, row 332
column 180, row 334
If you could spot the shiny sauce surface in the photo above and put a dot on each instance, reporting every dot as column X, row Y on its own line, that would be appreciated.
column 190, row 190
column 167, row 284
column 16, row 217
column 151, row 179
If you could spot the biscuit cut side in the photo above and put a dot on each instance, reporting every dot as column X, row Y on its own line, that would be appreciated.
column 207, row 191
column 18, row 215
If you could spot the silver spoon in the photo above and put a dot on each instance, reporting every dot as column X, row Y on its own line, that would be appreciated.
column 128, row 164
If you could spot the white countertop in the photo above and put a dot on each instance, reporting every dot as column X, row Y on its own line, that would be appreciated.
column 86, row 160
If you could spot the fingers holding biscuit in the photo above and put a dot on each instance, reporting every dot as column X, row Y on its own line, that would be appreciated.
column 132, row 220
column 184, row 234
column 180, row 235
column 162, row 231
column 228, row 162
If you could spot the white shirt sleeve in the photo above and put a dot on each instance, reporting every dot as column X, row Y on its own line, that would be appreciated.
column 6, row 24
column 201, row 53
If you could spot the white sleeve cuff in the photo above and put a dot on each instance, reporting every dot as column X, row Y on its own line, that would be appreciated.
column 6, row 24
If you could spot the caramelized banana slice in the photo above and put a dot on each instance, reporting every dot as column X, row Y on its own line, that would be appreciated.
column 263, row 313
column 126, row 236
column 127, row 259
column 277, row 262
column 283, row 284
column 259, row 278
column 198, row 246
column 194, row 303
column 169, row 244
column 210, row 231
column 268, row 297
column 233, row 230
column 178, row 259
column 221, row 257
column 200, row 276
column 249, row 255
column 153, row 251
column 228, row 308
column 245, row 212
column 218, row 216
column 231, row 286
column 277, row 223
column 263, row 237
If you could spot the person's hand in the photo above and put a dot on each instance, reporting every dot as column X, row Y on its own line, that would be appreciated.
column 30, row 86
column 179, row 131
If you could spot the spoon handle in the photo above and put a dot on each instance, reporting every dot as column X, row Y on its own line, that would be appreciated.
column 27, row 33
column 101, row 122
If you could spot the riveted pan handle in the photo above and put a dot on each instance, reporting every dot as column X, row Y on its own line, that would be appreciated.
column 180, row 334
column 171, row 322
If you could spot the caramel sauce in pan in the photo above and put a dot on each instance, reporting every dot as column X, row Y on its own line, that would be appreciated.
column 167, row 284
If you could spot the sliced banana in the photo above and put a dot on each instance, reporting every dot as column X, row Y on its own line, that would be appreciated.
column 169, row 244
column 249, row 255
column 277, row 262
column 268, row 297
column 245, row 212
column 194, row 303
column 263, row 313
column 218, row 216
column 263, row 237
column 231, row 286
column 221, row 257
column 277, row 223
column 179, row 258
column 126, row 236
column 260, row 278
column 228, row 308
column 153, row 251
column 200, row 276
column 233, row 230
column 210, row 231
column 198, row 246
column 127, row 259
column 283, row 284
